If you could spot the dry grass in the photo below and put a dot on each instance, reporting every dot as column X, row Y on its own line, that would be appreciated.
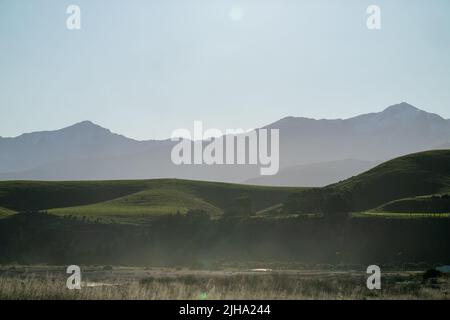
column 220, row 285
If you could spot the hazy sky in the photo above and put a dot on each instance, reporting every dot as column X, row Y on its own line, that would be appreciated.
column 145, row 68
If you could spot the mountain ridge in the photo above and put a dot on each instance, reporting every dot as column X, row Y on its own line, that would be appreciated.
column 403, row 106
column 87, row 151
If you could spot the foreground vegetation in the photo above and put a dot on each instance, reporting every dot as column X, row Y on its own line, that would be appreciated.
column 139, row 283
column 196, row 239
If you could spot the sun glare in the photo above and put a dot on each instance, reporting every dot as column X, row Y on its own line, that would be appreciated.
column 236, row 13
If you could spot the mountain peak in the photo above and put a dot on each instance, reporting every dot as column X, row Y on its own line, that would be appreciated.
column 401, row 107
column 85, row 126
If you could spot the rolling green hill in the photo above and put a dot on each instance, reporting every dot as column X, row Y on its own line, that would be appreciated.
column 414, row 175
column 38, row 195
column 418, row 174
column 125, row 200
column 143, row 204
column 407, row 177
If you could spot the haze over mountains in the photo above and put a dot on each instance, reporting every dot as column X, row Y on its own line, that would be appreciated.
column 312, row 152
column 316, row 174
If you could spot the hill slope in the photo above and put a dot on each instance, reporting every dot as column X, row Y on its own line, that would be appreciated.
column 134, row 198
column 413, row 175
column 419, row 174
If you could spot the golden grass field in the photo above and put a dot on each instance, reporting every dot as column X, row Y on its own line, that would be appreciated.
column 163, row 284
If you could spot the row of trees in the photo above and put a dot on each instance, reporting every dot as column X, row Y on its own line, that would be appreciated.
column 318, row 201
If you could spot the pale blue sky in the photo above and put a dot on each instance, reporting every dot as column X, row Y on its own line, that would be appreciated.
column 145, row 68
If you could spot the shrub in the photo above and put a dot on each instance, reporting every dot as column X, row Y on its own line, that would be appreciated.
column 431, row 274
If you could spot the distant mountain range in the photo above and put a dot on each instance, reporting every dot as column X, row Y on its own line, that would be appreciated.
column 312, row 152
column 316, row 174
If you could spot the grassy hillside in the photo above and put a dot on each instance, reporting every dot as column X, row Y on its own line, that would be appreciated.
column 418, row 174
column 127, row 200
column 143, row 204
column 406, row 177
column 125, row 207
column 37, row 195
column 415, row 175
